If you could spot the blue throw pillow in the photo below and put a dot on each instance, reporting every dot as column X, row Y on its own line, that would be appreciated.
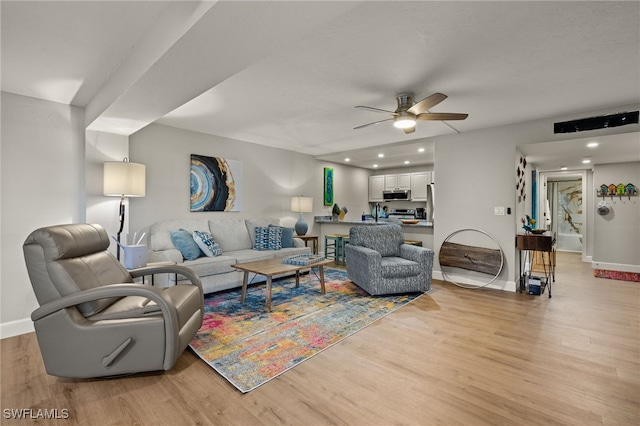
column 207, row 244
column 183, row 241
column 287, row 236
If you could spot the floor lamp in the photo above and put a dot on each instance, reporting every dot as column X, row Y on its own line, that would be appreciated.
column 123, row 179
column 301, row 205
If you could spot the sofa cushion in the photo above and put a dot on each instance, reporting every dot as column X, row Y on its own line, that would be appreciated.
column 207, row 244
column 252, row 224
column 183, row 241
column 268, row 238
column 291, row 251
column 160, row 232
column 230, row 234
column 249, row 255
column 397, row 267
column 385, row 239
column 205, row 266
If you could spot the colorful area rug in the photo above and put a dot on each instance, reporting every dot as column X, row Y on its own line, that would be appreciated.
column 617, row 275
column 249, row 346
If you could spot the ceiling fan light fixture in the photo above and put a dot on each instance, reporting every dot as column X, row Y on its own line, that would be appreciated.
column 404, row 120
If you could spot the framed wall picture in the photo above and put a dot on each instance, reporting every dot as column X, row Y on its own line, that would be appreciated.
column 328, row 186
column 216, row 184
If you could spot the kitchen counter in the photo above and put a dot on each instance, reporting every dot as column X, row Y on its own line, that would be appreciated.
column 327, row 219
column 421, row 231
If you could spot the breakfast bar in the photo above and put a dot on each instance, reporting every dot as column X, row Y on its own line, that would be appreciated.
column 416, row 232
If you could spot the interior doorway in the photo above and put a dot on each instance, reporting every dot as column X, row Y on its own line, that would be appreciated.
column 566, row 213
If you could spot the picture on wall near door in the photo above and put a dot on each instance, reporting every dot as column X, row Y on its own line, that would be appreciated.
column 328, row 186
column 216, row 184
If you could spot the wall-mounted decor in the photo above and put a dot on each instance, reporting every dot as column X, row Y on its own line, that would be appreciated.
column 216, row 184
column 328, row 186
column 520, row 180
column 620, row 190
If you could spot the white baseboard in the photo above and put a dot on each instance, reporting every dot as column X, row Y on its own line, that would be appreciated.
column 16, row 328
column 615, row 267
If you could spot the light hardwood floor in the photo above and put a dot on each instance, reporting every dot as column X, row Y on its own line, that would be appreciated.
column 453, row 356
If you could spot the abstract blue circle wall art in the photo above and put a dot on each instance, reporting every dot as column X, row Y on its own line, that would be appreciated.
column 215, row 184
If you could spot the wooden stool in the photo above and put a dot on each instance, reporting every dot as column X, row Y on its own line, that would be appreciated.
column 332, row 246
column 342, row 257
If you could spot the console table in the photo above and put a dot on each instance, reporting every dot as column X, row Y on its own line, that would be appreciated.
column 543, row 243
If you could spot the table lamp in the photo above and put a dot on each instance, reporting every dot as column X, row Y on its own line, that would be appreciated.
column 301, row 205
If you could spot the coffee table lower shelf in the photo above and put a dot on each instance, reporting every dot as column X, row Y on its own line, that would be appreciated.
column 272, row 267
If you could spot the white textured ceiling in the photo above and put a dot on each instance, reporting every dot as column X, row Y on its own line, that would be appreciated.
column 288, row 74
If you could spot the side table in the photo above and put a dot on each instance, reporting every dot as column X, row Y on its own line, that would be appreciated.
column 307, row 238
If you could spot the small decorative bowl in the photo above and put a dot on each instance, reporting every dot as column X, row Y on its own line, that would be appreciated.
column 538, row 231
column 409, row 221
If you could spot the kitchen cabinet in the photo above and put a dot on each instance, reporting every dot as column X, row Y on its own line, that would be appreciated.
column 399, row 181
column 376, row 186
column 419, row 182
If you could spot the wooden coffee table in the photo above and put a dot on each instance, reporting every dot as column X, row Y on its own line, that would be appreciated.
column 272, row 267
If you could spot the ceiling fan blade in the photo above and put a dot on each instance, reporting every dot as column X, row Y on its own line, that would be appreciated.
column 441, row 116
column 427, row 103
column 410, row 130
column 376, row 109
column 371, row 124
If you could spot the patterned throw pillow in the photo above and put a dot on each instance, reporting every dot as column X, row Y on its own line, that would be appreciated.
column 268, row 238
column 287, row 236
column 183, row 241
column 207, row 244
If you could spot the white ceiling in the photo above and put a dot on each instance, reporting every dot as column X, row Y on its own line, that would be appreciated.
column 288, row 74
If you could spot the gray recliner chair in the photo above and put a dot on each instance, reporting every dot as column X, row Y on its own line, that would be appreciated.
column 379, row 261
column 93, row 320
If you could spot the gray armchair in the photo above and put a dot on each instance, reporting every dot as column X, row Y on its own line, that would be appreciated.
column 379, row 261
column 93, row 320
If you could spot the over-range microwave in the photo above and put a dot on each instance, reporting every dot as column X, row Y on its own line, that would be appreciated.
column 403, row 194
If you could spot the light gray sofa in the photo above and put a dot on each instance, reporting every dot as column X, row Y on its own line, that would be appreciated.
column 236, row 238
column 379, row 261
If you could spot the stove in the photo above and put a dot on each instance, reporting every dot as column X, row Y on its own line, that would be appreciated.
column 402, row 213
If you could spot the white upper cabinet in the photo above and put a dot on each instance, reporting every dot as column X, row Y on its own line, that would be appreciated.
column 419, row 182
column 399, row 181
column 376, row 186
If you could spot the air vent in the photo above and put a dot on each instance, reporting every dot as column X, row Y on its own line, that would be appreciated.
column 593, row 123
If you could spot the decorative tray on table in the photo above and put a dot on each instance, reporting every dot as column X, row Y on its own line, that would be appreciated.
column 303, row 259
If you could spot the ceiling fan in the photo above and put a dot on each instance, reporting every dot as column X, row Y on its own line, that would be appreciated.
column 405, row 116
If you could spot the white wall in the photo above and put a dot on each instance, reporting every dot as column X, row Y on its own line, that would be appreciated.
column 270, row 178
column 617, row 235
column 42, row 184
column 101, row 147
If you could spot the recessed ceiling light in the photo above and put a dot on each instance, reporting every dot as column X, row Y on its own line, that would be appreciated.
column 592, row 144
column 586, row 161
column 420, row 149
column 406, row 162
column 347, row 159
column 380, row 155
column 375, row 165
column 563, row 168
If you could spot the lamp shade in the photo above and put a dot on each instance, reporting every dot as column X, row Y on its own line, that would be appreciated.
column 122, row 178
column 302, row 204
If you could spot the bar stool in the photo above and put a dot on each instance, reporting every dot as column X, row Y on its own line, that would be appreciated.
column 342, row 257
column 332, row 247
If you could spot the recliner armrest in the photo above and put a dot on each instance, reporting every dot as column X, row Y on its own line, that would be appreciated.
column 107, row 291
column 168, row 269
